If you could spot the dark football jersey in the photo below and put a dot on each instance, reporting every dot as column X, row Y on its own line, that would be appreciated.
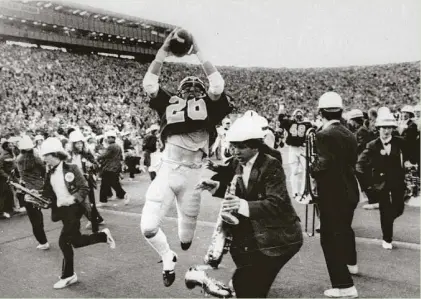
column 180, row 116
column 296, row 131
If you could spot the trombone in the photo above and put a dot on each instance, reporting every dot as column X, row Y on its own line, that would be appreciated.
column 309, row 196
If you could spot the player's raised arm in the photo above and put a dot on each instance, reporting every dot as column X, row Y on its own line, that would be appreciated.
column 216, row 82
column 150, row 81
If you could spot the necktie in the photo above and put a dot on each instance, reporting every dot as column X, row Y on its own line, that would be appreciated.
column 53, row 169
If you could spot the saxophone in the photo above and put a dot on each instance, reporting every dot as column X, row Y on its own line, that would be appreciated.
column 32, row 197
column 221, row 243
column 221, row 237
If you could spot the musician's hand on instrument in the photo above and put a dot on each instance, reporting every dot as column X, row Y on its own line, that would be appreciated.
column 35, row 192
column 209, row 185
column 233, row 203
column 210, row 165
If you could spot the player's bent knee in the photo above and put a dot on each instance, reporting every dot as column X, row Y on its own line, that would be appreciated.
column 148, row 231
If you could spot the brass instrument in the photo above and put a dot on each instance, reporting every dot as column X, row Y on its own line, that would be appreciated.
column 309, row 196
column 412, row 180
column 34, row 198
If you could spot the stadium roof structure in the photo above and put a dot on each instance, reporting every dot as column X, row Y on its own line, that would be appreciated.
column 98, row 13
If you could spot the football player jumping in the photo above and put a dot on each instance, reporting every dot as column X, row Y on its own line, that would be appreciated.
column 188, row 118
column 296, row 129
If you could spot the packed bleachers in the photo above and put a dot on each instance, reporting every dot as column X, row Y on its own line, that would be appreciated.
column 42, row 88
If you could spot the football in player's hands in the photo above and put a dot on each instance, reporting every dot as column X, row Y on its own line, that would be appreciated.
column 181, row 42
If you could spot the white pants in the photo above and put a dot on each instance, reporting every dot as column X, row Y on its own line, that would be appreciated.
column 172, row 181
column 297, row 161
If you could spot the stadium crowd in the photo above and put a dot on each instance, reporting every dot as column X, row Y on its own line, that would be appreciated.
column 41, row 89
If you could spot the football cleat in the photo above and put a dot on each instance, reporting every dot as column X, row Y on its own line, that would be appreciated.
column 195, row 277
column 185, row 246
column 168, row 276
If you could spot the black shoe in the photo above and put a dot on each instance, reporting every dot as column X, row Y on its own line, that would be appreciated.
column 185, row 246
column 169, row 275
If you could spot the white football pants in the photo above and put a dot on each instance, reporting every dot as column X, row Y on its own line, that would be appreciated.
column 172, row 181
column 298, row 163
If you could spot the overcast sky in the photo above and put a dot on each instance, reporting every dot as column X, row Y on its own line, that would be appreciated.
column 290, row 33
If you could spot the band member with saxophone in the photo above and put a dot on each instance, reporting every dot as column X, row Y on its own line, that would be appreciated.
column 32, row 171
column 68, row 189
column 381, row 172
column 188, row 118
column 338, row 194
column 269, row 233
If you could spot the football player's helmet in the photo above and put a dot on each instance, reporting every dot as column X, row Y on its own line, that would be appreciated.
column 298, row 114
column 191, row 87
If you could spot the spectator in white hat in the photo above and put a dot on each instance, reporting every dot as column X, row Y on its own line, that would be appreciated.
column 406, row 122
column 68, row 189
column 380, row 168
column 32, row 172
column 356, row 125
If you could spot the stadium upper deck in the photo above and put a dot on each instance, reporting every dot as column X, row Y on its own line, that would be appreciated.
column 81, row 28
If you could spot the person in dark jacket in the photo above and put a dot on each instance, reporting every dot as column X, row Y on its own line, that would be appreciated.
column 110, row 162
column 32, row 171
column 67, row 189
column 150, row 146
column 363, row 135
column 338, row 192
column 7, row 165
column 269, row 233
column 381, row 170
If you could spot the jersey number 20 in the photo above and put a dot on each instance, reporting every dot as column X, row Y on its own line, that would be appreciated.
column 196, row 110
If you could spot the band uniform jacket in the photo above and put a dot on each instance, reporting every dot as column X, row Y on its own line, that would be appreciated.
column 381, row 172
column 334, row 166
column 363, row 136
column 276, row 228
column 77, row 186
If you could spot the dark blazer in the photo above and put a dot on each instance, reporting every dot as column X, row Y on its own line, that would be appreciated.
column 333, row 169
column 411, row 135
column 363, row 136
column 78, row 187
column 111, row 159
column 274, row 222
column 372, row 168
